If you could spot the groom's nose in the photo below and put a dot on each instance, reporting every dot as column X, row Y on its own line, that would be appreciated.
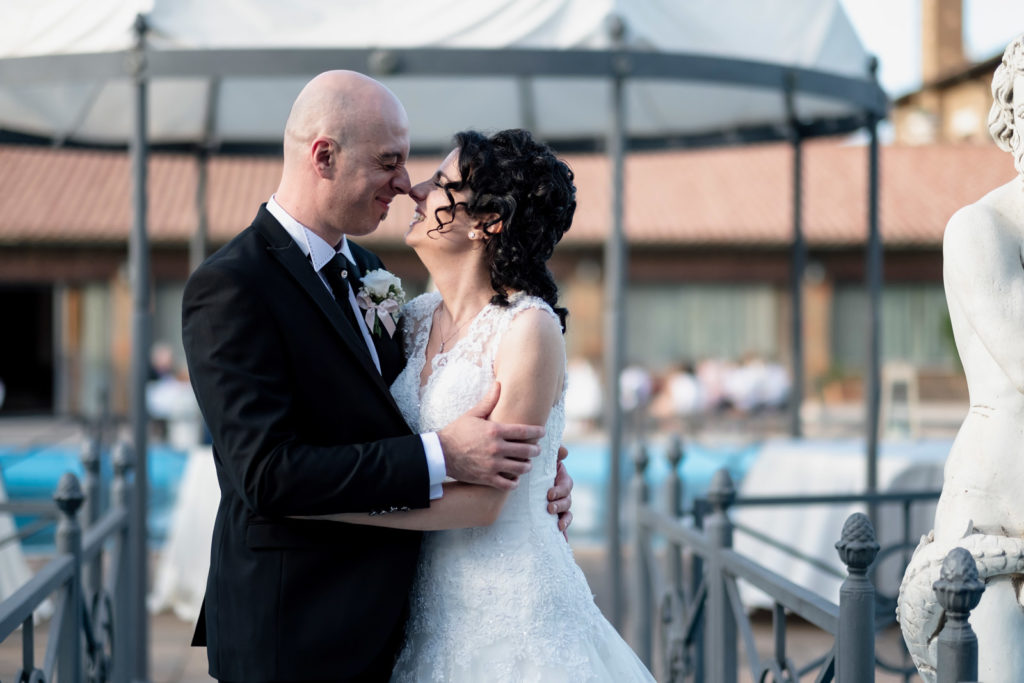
column 401, row 183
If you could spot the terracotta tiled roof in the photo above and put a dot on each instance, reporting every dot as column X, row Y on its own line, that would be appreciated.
column 731, row 196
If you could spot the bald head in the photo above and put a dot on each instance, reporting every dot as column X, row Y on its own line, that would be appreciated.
column 345, row 145
column 338, row 105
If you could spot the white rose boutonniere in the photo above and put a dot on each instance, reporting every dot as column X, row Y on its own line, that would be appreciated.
column 381, row 296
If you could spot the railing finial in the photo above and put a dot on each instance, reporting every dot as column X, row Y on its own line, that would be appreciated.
column 68, row 495
column 857, row 546
column 958, row 590
column 675, row 452
column 124, row 457
column 640, row 459
column 722, row 492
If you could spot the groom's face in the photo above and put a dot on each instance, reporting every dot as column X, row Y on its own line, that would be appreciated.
column 371, row 171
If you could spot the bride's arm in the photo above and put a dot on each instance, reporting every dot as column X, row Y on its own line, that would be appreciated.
column 530, row 365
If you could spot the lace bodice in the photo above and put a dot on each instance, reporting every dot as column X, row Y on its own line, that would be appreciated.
column 459, row 378
column 509, row 595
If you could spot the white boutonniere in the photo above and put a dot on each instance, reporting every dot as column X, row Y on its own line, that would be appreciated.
column 381, row 296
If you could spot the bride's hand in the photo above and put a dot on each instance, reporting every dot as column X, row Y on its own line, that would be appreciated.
column 478, row 451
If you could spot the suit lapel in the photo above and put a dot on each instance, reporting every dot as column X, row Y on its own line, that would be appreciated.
column 283, row 248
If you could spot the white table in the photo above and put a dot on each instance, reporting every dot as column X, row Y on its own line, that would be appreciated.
column 823, row 467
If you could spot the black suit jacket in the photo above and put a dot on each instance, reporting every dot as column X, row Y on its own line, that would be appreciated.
column 302, row 424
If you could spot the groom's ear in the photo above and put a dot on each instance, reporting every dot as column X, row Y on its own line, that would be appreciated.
column 323, row 156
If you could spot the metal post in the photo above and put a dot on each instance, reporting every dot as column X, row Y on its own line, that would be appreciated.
column 779, row 636
column 93, row 570
column 855, row 642
column 139, row 264
column 69, row 499
column 28, row 653
column 120, row 498
column 674, row 503
column 197, row 242
column 958, row 590
column 696, row 577
column 614, row 323
column 673, row 607
column 720, row 623
column 641, row 547
column 798, row 263
column 874, row 287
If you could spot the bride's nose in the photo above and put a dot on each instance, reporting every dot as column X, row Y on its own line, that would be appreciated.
column 419, row 191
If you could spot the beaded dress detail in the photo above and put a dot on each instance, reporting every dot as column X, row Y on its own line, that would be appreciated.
column 504, row 603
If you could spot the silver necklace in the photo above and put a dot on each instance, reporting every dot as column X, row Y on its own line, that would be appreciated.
column 447, row 339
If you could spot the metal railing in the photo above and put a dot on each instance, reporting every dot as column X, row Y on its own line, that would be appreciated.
column 88, row 636
column 701, row 619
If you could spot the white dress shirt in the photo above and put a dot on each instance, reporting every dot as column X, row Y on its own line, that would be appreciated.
column 320, row 253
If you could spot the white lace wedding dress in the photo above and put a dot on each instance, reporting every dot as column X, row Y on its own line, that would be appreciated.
column 505, row 602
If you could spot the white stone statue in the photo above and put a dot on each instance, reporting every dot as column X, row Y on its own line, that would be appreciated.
column 982, row 503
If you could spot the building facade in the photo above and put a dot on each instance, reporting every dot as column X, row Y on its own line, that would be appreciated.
column 709, row 257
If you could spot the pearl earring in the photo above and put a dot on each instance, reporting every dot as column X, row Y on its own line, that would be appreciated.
column 472, row 234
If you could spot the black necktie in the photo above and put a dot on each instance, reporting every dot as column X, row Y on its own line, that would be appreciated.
column 341, row 275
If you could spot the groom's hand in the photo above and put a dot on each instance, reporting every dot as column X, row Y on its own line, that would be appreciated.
column 478, row 451
column 560, row 495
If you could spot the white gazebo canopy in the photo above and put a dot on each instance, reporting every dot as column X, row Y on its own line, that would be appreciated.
column 221, row 72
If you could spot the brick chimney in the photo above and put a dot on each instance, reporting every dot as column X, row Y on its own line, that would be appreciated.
column 942, row 49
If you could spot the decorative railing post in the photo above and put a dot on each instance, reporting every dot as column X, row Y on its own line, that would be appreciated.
column 92, row 572
column 720, row 624
column 674, row 507
column 641, row 542
column 700, row 511
column 69, row 541
column 120, row 498
column 855, row 641
column 673, row 610
column 958, row 590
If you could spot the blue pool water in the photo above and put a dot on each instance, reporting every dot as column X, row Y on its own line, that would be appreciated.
column 588, row 463
column 33, row 473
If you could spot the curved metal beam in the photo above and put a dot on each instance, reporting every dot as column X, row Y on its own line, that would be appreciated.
column 862, row 93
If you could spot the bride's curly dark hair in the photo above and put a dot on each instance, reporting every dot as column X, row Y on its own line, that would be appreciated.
column 531, row 191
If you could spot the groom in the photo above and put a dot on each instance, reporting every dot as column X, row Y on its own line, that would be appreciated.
column 294, row 390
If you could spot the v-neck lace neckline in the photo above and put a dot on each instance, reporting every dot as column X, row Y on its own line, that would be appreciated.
column 441, row 358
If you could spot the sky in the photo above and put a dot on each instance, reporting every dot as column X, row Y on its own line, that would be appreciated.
column 891, row 30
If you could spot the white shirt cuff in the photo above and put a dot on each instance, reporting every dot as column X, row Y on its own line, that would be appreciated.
column 435, row 463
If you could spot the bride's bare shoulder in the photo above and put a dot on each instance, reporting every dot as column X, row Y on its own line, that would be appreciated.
column 530, row 364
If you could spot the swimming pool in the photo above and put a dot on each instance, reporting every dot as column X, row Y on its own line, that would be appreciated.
column 32, row 474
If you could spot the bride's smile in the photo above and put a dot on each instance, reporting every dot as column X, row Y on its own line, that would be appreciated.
column 440, row 207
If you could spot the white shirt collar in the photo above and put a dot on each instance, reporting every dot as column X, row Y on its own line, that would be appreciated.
column 311, row 244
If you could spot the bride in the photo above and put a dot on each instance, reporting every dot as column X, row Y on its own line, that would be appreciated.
column 498, row 596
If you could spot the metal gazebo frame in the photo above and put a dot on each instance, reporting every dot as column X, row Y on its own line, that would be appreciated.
column 618, row 66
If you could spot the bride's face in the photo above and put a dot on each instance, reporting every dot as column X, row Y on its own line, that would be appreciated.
column 434, row 223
